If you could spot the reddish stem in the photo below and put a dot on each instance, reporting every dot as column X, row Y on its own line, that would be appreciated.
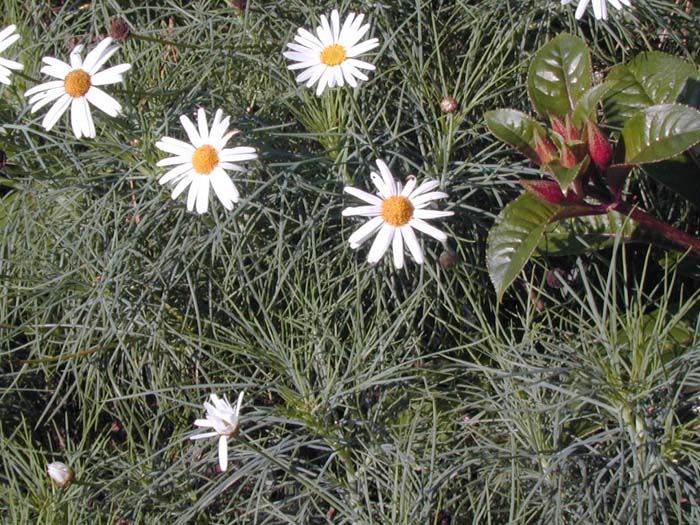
column 669, row 232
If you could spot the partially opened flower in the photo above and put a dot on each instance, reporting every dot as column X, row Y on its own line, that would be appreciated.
column 330, row 56
column 395, row 212
column 204, row 162
column 600, row 8
column 223, row 418
column 77, row 87
column 7, row 38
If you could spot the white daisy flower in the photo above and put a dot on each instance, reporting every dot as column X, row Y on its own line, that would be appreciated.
column 7, row 38
column 600, row 8
column 396, row 211
column 329, row 57
column 204, row 162
column 77, row 85
column 223, row 418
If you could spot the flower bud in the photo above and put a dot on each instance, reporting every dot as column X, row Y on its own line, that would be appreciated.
column 119, row 29
column 599, row 146
column 61, row 473
column 449, row 105
column 567, row 158
column 448, row 259
column 545, row 149
column 557, row 125
column 571, row 134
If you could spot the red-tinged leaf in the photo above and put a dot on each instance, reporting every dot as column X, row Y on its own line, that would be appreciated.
column 547, row 190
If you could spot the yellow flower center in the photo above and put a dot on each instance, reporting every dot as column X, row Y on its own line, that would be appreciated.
column 397, row 210
column 333, row 55
column 205, row 159
column 77, row 83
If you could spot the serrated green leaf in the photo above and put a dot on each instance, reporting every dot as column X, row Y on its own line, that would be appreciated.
column 559, row 74
column 514, row 236
column 648, row 79
column 660, row 132
column 584, row 234
column 585, row 107
column 516, row 129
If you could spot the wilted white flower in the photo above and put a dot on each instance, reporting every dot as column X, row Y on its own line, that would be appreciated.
column 204, row 162
column 7, row 38
column 395, row 212
column 77, row 85
column 600, row 8
column 330, row 56
column 61, row 473
column 223, row 418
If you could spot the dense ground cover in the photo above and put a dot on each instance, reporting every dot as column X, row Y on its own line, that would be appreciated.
column 372, row 395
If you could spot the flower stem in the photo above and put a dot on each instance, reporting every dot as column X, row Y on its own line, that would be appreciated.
column 669, row 232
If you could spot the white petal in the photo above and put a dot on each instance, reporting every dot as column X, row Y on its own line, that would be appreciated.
column 193, row 192
column 75, row 61
column 60, row 68
column 76, row 117
column 47, row 97
column 365, row 232
column 88, row 123
column 7, row 32
column 363, row 211
column 237, row 409
column 205, row 435
column 203, row 195
column 191, row 131
column 202, row 125
column 182, row 186
column 426, row 228
column 423, row 188
column 432, row 214
column 387, row 176
column 363, row 195
column 223, row 453
column 426, row 198
column 202, row 423
column 362, row 48
column 225, row 189
column 95, row 54
column 103, row 101
column 381, row 243
column 111, row 75
column 46, row 86
column 53, row 114
column 379, row 183
column 335, row 24
column 581, row 8
column 11, row 64
column 411, row 241
column 397, row 249
column 172, row 161
column 175, row 173
column 410, row 184
column 174, row 146
column 360, row 64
